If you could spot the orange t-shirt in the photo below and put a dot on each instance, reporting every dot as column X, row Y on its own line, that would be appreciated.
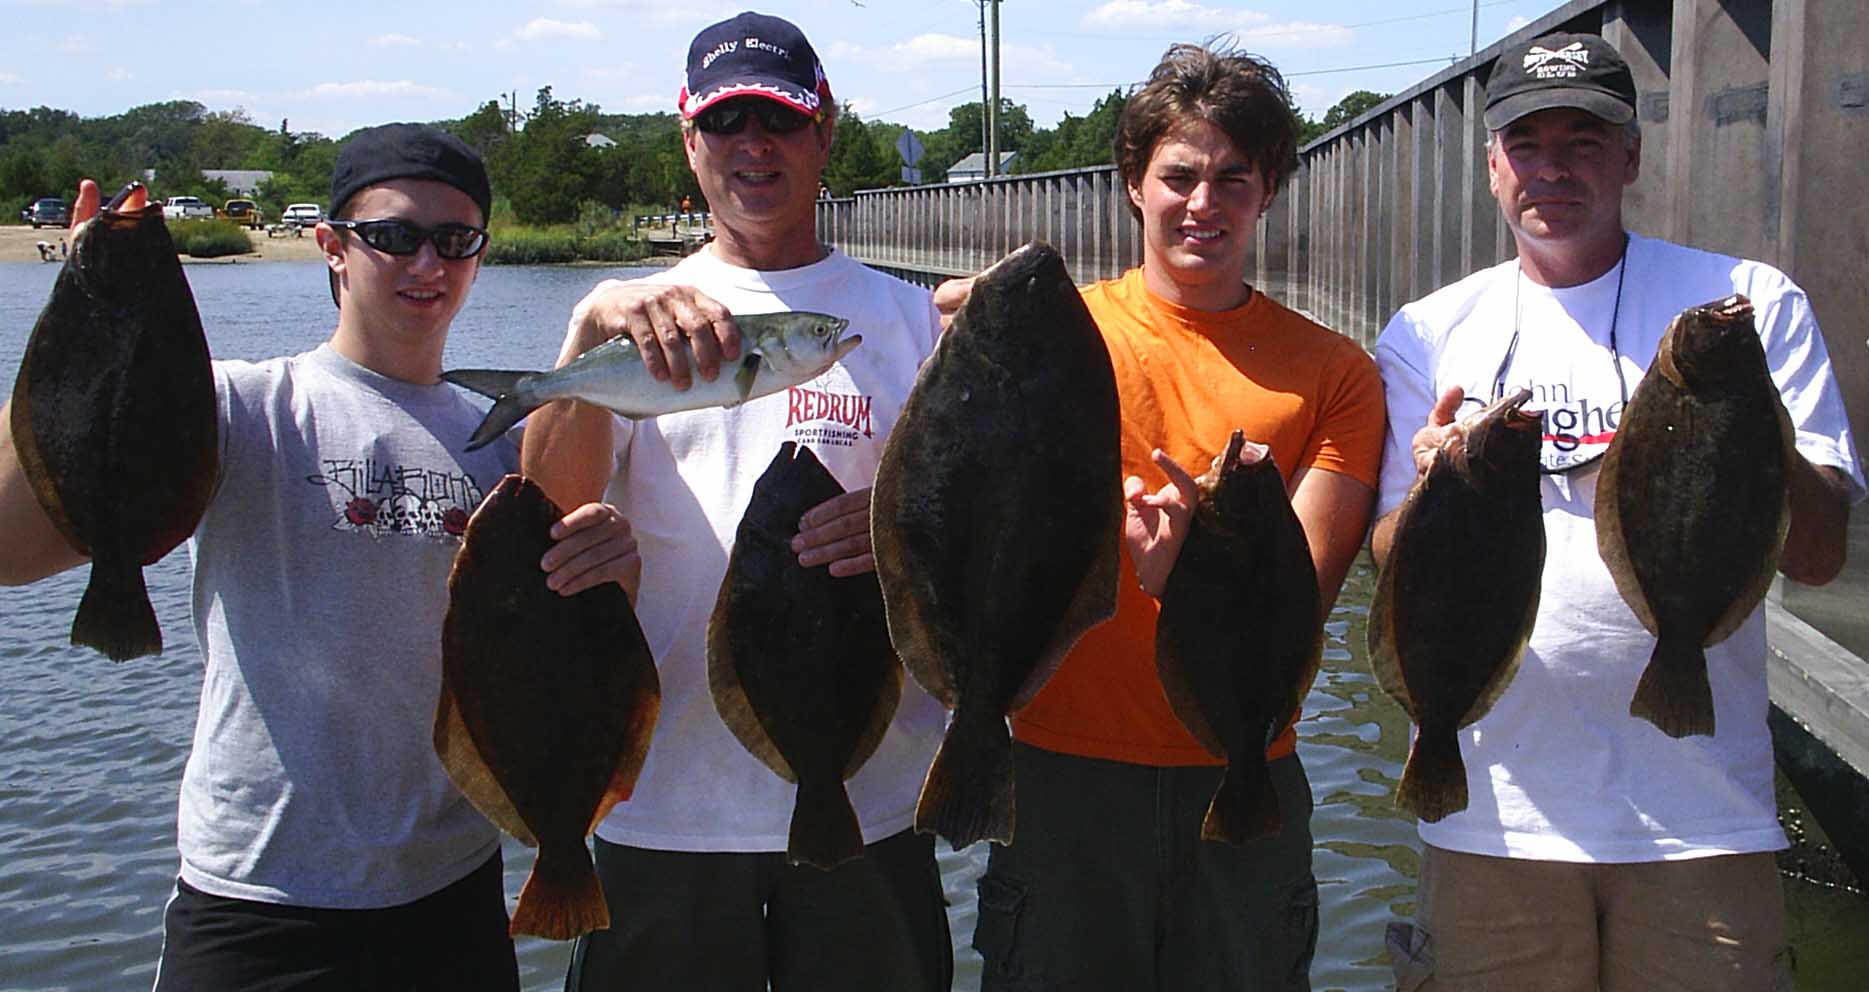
column 1187, row 379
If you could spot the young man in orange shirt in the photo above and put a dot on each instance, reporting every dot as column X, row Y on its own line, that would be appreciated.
column 1108, row 884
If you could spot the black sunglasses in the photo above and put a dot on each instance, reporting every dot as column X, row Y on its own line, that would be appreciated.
column 393, row 236
column 731, row 117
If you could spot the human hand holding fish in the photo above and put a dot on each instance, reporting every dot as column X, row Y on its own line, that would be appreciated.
column 950, row 296
column 657, row 317
column 837, row 532
column 1155, row 524
column 1441, row 426
column 594, row 545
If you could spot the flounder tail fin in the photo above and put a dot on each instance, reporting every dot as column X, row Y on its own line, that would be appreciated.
column 1245, row 806
column 1434, row 782
column 1674, row 694
column 562, row 897
column 824, row 832
column 967, row 795
column 115, row 616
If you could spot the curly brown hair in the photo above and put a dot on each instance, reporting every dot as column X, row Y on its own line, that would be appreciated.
column 1235, row 91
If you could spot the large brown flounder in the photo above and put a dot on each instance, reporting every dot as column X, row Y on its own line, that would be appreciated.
column 1456, row 600
column 799, row 660
column 547, row 704
column 996, row 516
column 1239, row 638
column 113, row 416
column 1691, row 505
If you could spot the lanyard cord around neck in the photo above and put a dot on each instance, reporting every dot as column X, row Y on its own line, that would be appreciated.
column 1615, row 313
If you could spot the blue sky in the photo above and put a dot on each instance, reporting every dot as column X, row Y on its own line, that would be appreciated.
column 336, row 66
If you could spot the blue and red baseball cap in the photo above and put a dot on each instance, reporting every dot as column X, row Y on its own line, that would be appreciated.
column 753, row 55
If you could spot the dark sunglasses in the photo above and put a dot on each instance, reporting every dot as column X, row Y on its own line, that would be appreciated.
column 731, row 117
column 393, row 236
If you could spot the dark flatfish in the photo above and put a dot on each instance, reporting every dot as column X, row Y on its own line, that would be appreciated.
column 1691, row 504
column 114, row 416
column 547, row 704
column 996, row 516
column 1456, row 600
column 1240, row 638
column 799, row 660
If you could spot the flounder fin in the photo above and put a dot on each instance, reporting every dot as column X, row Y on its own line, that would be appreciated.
column 824, row 831
column 1183, row 698
column 1611, row 545
column 887, row 700
column 1380, row 636
column 115, row 616
column 562, row 898
column 1434, row 782
column 469, row 771
column 1245, row 805
column 968, row 794
column 730, row 700
column 1674, row 693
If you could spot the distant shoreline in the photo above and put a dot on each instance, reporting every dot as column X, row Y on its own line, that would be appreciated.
column 18, row 243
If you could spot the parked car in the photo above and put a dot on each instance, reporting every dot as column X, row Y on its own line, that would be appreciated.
column 186, row 208
column 243, row 212
column 46, row 211
column 302, row 214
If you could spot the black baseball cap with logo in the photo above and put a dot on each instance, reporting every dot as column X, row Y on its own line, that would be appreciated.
column 1581, row 71
column 753, row 55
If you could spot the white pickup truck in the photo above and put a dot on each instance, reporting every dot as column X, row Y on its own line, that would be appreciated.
column 186, row 208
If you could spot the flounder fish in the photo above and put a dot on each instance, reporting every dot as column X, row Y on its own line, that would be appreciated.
column 547, row 704
column 113, row 416
column 1692, row 504
column 799, row 662
column 1240, row 638
column 779, row 350
column 996, row 516
column 1457, row 597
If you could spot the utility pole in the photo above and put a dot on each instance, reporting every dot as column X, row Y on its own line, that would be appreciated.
column 985, row 129
column 1473, row 39
column 992, row 108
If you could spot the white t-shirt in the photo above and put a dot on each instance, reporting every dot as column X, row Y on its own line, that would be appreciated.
column 1559, row 770
column 320, row 582
column 684, row 480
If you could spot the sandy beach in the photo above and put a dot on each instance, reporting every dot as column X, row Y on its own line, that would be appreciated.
column 20, row 244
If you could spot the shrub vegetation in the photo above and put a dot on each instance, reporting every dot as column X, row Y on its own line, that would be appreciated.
column 209, row 238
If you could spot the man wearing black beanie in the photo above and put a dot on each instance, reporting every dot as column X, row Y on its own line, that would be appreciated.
column 322, row 845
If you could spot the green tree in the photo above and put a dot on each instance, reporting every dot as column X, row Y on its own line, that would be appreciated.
column 858, row 160
column 1343, row 112
column 1077, row 141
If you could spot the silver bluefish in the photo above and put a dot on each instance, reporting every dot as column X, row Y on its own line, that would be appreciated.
column 778, row 350
column 996, row 517
column 1457, row 597
column 1240, row 638
column 1691, row 505
column 113, row 416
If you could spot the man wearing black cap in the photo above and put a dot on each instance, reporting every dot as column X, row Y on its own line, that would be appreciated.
column 1596, row 851
column 700, row 894
column 322, row 845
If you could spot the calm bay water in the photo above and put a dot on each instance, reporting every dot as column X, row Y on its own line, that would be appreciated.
column 91, row 752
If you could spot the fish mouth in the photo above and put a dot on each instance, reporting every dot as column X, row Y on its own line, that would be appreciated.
column 1512, row 410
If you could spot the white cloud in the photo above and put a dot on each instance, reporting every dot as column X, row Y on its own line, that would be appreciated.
column 546, row 29
column 925, row 50
column 368, row 89
column 76, row 44
column 221, row 96
column 117, row 74
column 394, row 40
column 1252, row 27
column 1516, row 23
column 9, row 79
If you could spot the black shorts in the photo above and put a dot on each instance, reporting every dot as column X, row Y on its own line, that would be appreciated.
column 730, row 922
column 455, row 940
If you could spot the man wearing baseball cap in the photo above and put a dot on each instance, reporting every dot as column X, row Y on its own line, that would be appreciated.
column 322, row 845
column 1599, row 849
column 694, row 864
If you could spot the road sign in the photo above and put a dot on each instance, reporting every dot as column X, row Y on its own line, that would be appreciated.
column 909, row 147
column 911, row 175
